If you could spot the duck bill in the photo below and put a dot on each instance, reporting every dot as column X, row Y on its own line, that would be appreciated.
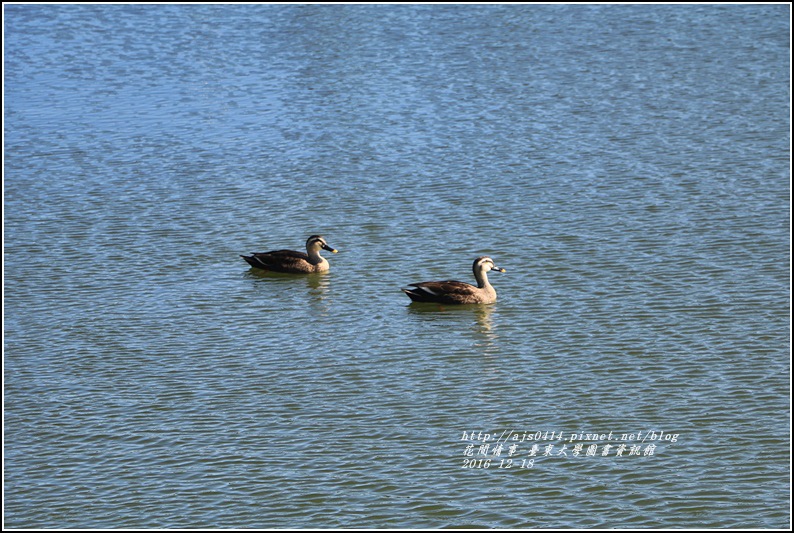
column 499, row 269
column 332, row 250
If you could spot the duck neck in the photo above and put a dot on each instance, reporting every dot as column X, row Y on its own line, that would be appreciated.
column 314, row 256
column 482, row 279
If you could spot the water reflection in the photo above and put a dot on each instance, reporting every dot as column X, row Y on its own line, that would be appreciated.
column 317, row 282
column 483, row 324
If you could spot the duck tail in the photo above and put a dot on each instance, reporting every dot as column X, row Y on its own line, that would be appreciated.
column 415, row 295
column 251, row 260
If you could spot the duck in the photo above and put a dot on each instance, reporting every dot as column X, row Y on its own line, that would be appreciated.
column 458, row 292
column 293, row 262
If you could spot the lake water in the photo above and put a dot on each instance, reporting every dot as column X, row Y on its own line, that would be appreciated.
column 627, row 165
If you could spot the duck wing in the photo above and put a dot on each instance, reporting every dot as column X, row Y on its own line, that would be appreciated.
column 277, row 260
column 441, row 291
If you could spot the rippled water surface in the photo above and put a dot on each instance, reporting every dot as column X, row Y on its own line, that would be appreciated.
column 628, row 166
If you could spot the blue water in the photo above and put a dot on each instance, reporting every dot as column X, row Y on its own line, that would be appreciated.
column 629, row 166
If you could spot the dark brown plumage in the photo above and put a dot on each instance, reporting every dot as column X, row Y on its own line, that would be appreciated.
column 458, row 292
column 291, row 261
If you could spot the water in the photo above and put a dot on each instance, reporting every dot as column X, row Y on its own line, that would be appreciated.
column 628, row 166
